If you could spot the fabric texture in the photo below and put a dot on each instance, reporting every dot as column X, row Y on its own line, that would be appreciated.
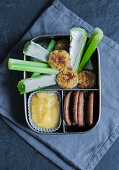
column 81, row 151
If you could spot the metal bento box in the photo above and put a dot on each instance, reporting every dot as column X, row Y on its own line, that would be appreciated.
column 93, row 64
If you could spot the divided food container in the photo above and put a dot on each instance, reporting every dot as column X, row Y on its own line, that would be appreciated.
column 93, row 64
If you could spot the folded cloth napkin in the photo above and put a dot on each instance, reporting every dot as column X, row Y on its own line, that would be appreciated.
column 80, row 151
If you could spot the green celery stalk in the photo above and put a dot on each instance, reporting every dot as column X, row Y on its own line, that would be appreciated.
column 35, row 50
column 51, row 45
column 33, row 69
column 78, row 37
column 35, row 75
column 26, row 63
column 33, row 84
column 91, row 45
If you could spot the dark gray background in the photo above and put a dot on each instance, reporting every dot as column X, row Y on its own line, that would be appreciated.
column 16, row 16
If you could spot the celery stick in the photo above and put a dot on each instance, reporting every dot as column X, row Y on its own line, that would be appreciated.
column 33, row 69
column 26, row 63
column 78, row 37
column 51, row 45
column 92, row 43
column 36, row 51
column 35, row 75
column 33, row 84
column 99, row 35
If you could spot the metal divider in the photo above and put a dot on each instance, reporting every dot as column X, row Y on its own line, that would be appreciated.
column 63, row 112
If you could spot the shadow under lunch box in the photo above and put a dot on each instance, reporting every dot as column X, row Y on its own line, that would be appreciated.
column 93, row 64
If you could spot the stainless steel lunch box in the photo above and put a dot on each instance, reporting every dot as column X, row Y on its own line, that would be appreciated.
column 94, row 64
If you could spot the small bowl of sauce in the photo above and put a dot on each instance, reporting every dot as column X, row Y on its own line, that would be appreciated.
column 44, row 110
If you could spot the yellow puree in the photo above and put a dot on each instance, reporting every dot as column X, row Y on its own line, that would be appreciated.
column 45, row 110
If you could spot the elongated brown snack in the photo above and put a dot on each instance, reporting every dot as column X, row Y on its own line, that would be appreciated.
column 90, row 109
column 80, row 112
column 66, row 109
column 75, row 107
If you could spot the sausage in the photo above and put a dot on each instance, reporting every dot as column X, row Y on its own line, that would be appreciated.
column 66, row 109
column 90, row 109
column 80, row 110
column 76, row 96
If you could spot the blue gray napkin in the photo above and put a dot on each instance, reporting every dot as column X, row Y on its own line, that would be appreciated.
column 82, row 151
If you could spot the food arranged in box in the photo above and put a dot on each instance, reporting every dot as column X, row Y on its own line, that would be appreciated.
column 61, row 85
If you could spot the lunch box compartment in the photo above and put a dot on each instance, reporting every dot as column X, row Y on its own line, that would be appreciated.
column 93, row 64
column 74, row 127
column 60, row 130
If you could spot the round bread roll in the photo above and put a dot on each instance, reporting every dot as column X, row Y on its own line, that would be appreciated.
column 59, row 59
column 86, row 79
column 67, row 79
column 62, row 44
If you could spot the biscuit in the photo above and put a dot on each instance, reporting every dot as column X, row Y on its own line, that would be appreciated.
column 75, row 107
column 90, row 109
column 66, row 109
column 80, row 110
